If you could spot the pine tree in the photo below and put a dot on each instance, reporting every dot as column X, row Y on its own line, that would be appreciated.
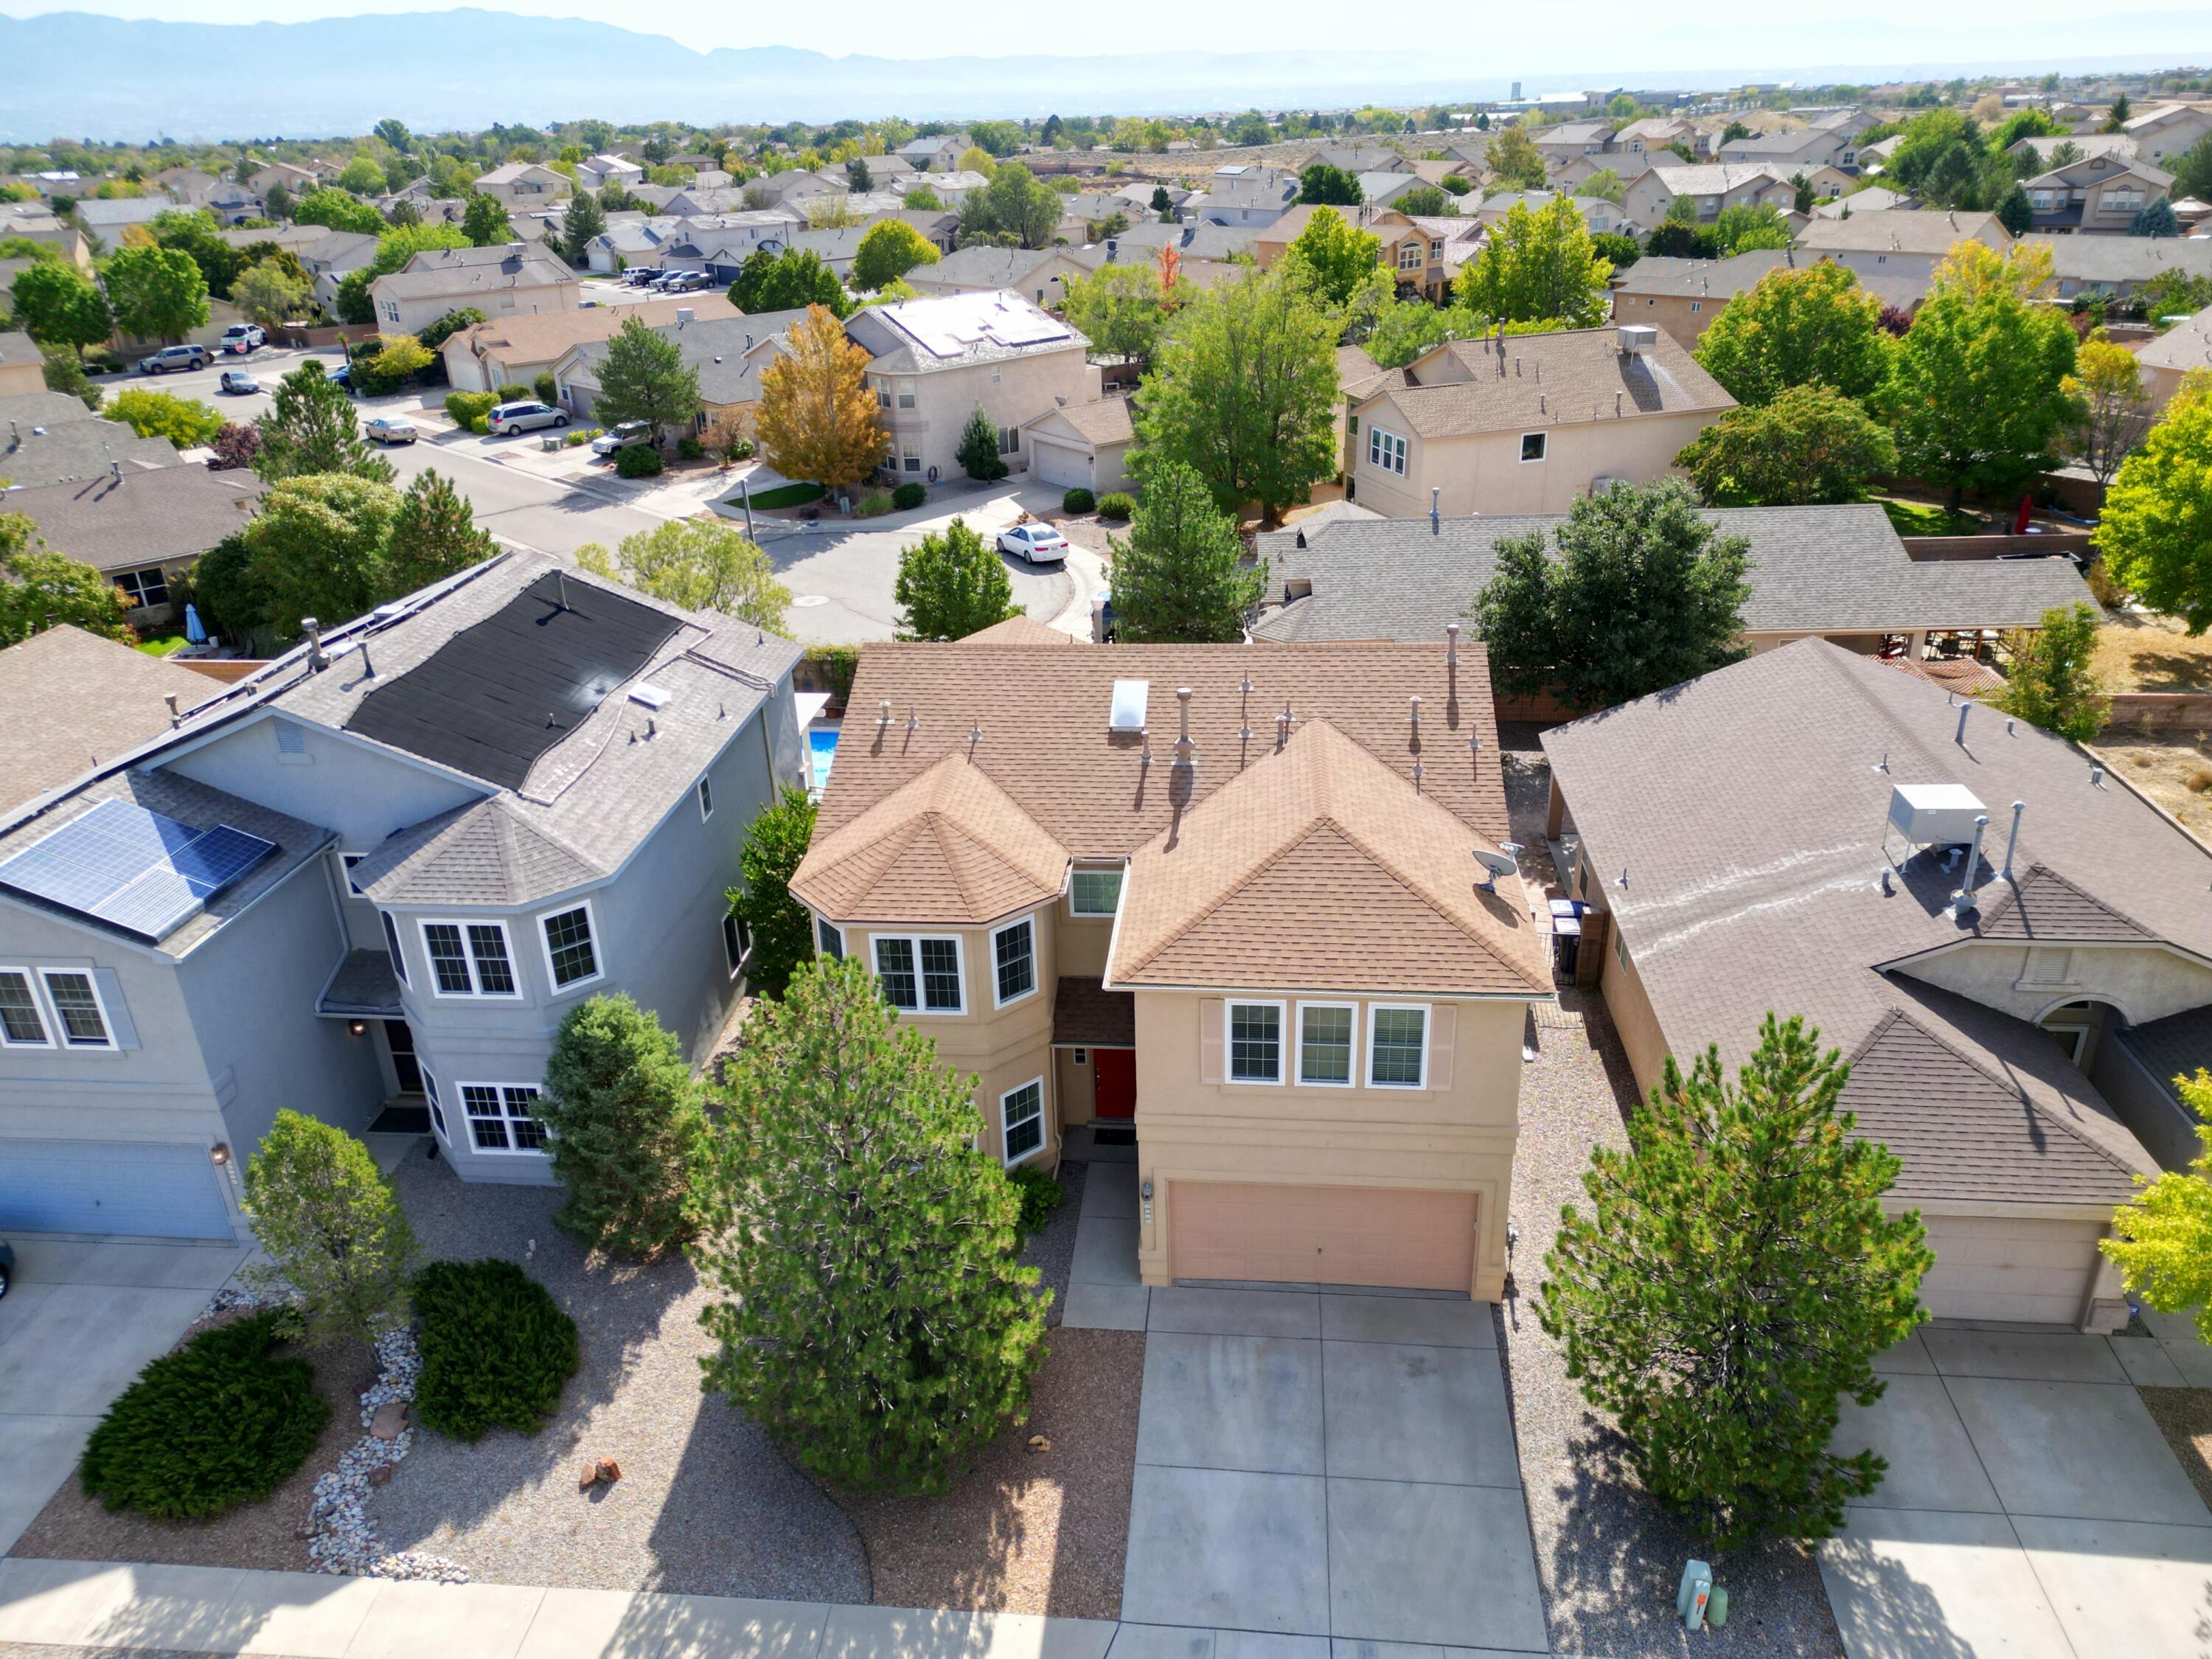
column 582, row 220
column 978, row 454
column 1734, row 1280
column 644, row 377
column 332, row 1226
column 435, row 533
column 311, row 428
column 783, row 928
column 877, row 1318
column 625, row 1128
column 1180, row 578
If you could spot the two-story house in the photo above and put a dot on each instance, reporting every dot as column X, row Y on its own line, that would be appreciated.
column 1422, row 258
column 379, row 870
column 934, row 362
column 514, row 280
column 2164, row 135
column 1709, row 188
column 1899, row 242
column 597, row 172
column 1247, row 194
column 1246, row 906
column 2096, row 196
column 939, row 154
column 524, row 186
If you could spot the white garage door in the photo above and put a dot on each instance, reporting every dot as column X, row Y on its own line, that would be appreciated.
column 1998, row 1268
column 145, row 1188
column 1062, row 465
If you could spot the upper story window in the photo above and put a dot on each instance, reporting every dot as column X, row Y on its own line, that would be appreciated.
column 469, row 959
column 571, row 954
column 706, row 800
column 1409, row 256
column 1326, row 1033
column 920, row 975
column 1256, row 1041
column 1397, row 1046
column 392, row 943
column 829, row 939
column 1386, row 451
column 1094, row 893
column 883, row 394
column 78, row 1009
column 1013, row 954
column 906, row 394
column 22, row 1024
column 1533, row 445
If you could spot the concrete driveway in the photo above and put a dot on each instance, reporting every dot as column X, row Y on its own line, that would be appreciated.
column 80, row 1321
column 1327, row 1465
column 2031, row 1507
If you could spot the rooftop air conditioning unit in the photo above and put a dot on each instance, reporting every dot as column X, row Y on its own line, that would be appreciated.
column 1639, row 339
column 1934, row 814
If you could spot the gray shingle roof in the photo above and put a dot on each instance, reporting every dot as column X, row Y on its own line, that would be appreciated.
column 1575, row 377
column 1737, row 824
column 717, row 348
column 2176, row 1046
column 75, row 701
column 2044, row 905
column 362, row 985
column 16, row 346
column 142, row 518
column 1902, row 230
column 1814, row 570
column 76, row 449
column 2124, row 258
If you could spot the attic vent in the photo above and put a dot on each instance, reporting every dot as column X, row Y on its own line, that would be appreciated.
column 646, row 693
column 1127, row 714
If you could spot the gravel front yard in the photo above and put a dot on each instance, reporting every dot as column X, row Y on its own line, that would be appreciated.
column 706, row 1504
column 1608, row 1557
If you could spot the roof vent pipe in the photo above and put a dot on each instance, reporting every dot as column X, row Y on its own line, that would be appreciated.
column 313, row 630
column 1960, row 736
column 367, row 668
column 1183, row 746
column 1963, row 900
column 1413, row 714
column 1436, row 518
column 1451, row 645
column 170, row 698
column 2012, row 840
column 883, row 715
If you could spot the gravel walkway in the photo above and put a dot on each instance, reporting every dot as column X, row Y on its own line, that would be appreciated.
column 1052, row 1246
column 706, row 1504
column 1608, row 1557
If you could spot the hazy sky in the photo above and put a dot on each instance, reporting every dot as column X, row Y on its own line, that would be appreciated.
column 1591, row 34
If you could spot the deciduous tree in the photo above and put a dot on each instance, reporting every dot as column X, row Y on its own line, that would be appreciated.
column 1328, row 185
column 783, row 928
column 268, row 295
column 874, row 1316
column 1333, row 255
column 1538, row 267
column 336, row 209
column 319, row 547
column 625, row 1129
column 1514, row 160
column 702, row 564
column 40, row 588
column 1243, row 392
column 331, row 1227
column 1121, row 309
column 1731, row 1282
column 486, row 222
column 888, row 250
column 2161, row 1240
column 2108, row 386
column 1641, row 593
column 1180, row 578
column 818, row 419
column 1809, row 445
column 156, row 293
column 184, row 422
column 2052, row 681
column 786, row 282
column 1803, row 326
column 2155, row 532
column 951, row 583
column 58, row 305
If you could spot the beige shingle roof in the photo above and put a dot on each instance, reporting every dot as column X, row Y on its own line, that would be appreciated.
column 1575, row 377
column 1018, row 630
column 1317, row 868
column 75, row 700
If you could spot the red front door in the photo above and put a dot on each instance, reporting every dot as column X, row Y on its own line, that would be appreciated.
column 1114, row 1072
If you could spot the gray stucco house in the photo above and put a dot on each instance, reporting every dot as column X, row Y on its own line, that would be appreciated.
column 374, row 876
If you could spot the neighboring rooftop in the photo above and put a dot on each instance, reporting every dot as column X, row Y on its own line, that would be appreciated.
column 948, row 329
column 1900, row 230
column 75, row 700
column 2124, row 258
column 545, row 335
column 142, row 517
column 1574, row 377
column 82, row 446
column 718, row 348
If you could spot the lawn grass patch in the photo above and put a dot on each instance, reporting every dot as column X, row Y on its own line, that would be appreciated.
column 218, row 1423
column 162, row 644
column 496, row 1349
column 790, row 494
column 1926, row 519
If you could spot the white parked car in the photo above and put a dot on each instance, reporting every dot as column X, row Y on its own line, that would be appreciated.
column 1034, row 543
column 242, row 338
column 527, row 415
column 391, row 430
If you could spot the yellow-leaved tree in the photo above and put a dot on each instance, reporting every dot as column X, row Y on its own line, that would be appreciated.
column 2163, row 1241
column 817, row 417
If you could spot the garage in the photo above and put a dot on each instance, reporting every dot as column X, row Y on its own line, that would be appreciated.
column 1061, row 465
column 147, row 1189
column 2008, row 1268
column 1401, row 1238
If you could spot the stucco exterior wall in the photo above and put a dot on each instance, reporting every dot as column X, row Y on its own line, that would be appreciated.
column 1486, row 474
column 1011, row 392
column 412, row 315
column 1684, row 318
column 361, row 791
column 2143, row 984
column 1459, row 1137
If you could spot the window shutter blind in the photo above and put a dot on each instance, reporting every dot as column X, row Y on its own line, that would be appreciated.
column 1209, row 1039
column 1442, row 1018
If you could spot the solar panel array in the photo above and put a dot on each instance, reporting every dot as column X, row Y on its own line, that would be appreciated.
column 133, row 869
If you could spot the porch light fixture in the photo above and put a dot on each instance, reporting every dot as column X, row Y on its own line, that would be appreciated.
column 220, row 1154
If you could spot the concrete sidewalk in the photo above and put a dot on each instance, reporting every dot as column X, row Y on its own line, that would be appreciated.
column 96, row 1606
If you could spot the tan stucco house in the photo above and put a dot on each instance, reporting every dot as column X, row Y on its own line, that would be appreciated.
column 1709, row 187
column 2098, row 195
column 525, row 184
column 22, row 366
column 1421, row 257
column 1524, row 424
column 2012, row 996
column 515, row 350
column 1228, row 901
column 1082, row 445
column 503, row 283
column 1683, row 296
column 2164, row 134
column 1899, row 242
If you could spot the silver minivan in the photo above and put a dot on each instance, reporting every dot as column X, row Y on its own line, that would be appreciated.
column 526, row 415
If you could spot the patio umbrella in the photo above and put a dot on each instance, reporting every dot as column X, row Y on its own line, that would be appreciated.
column 195, row 630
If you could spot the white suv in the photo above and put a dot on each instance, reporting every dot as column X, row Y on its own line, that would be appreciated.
column 526, row 415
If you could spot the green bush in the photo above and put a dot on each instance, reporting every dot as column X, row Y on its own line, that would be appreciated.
column 468, row 408
column 495, row 1349
column 836, row 664
column 1040, row 1194
column 873, row 506
column 513, row 392
column 909, row 495
column 1117, row 507
column 689, row 448
column 216, row 1424
column 741, row 449
column 640, row 461
column 547, row 389
column 1079, row 499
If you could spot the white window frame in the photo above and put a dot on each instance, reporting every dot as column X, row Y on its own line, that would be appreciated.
column 1352, row 1059
column 1283, row 1038
column 437, row 1106
column 1043, row 1139
column 1543, row 447
column 469, row 957
column 398, row 955
column 921, row 989
column 745, row 931
column 821, row 946
column 1120, row 874
column 1428, row 1013
column 1037, row 974
column 506, row 1119
column 1386, row 451
column 599, row 947
column 47, row 1023
column 1409, row 256
column 60, row 1027
column 704, row 792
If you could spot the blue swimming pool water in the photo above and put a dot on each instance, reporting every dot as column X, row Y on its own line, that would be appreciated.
column 822, row 746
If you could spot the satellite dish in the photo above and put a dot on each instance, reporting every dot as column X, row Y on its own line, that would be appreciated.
column 1500, row 862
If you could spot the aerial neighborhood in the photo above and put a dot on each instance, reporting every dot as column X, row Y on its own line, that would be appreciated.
column 1397, row 881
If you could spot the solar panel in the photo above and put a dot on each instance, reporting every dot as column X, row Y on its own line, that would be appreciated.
column 135, row 869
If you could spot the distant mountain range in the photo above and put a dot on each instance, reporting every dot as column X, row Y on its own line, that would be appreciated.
column 82, row 75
